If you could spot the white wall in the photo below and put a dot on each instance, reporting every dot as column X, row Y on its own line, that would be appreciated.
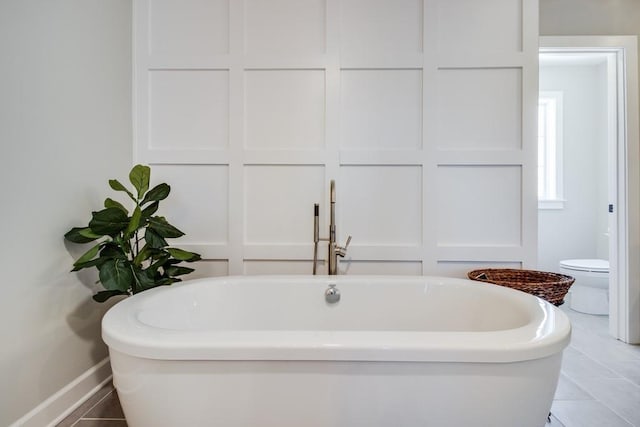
column 589, row 17
column 577, row 231
column 422, row 111
column 65, row 128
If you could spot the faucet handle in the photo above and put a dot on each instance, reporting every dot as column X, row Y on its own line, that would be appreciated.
column 341, row 251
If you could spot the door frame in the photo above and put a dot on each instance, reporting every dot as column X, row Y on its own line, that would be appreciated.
column 624, row 307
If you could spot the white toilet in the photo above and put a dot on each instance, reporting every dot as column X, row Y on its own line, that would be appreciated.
column 590, row 291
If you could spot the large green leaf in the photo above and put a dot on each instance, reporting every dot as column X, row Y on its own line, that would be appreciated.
column 92, row 263
column 153, row 239
column 157, row 193
column 161, row 262
column 183, row 255
column 143, row 255
column 160, row 225
column 134, row 223
column 115, row 274
column 144, row 279
column 102, row 296
column 116, row 185
column 139, row 177
column 167, row 281
column 110, row 203
column 87, row 256
column 109, row 221
column 174, row 271
column 86, row 232
column 81, row 235
column 113, row 250
column 124, row 245
column 150, row 210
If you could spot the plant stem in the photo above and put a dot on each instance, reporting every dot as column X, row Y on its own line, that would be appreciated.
column 135, row 281
column 137, row 245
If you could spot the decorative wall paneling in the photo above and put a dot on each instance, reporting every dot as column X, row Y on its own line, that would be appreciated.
column 424, row 112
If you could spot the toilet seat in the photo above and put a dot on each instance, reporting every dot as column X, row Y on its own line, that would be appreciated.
column 586, row 265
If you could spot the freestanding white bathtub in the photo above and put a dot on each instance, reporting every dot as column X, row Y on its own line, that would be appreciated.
column 394, row 351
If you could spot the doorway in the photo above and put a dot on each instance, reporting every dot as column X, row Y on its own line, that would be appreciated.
column 616, row 57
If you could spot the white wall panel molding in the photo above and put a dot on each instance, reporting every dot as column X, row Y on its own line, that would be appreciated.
column 480, row 59
column 489, row 253
column 209, row 251
column 286, row 157
column 414, row 107
column 285, row 62
column 386, row 252
column 186, row 156
column 188, row 28
column 461, row 268
column 188, row 109
column 296, row 121
column 210, row 267
column 279, row 203
column 278, row 26
column 430, row 125
column 214, row 62
column 382, row 157
column 484, row 157
column 530, row 27
column 381, row 109
column 282, row 266
column 297, row 252
column 381, row 26
column 468, row 25
column 479, row 206
column 393, row 217
column 411, row 268
column 480, row 108
column 386, row 61
column 199, row 199
column 274, row 252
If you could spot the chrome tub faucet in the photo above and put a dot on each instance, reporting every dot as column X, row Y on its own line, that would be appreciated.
column 335, row 250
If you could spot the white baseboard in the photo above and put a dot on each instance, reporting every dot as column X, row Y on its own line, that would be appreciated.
column 61, row 404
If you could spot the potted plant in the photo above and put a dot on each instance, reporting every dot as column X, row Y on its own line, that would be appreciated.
column 131, row 251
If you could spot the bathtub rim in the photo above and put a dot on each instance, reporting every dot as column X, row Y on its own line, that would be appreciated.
column 548, row 333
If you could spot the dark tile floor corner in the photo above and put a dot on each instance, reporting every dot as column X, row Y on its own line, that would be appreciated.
column 100, row 410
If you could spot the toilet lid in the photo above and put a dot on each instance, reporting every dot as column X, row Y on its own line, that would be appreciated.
column 594, row 265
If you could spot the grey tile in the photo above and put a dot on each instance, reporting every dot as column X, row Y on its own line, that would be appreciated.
column 590, row 335
column 577, row 365
column 554, row 422
column 570, row 351
column 603, row 348
column 101, row 423
column 593, row 323
column 586, row 413
column 108, row 407
column 619, row 394
column 86, row 406
column 627, row 369
column 568, row 390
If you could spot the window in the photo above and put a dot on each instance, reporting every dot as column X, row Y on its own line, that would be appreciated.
column 550, row 151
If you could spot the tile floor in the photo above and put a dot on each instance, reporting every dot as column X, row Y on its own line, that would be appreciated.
column 600, row 379
column 100, row 410
column 599, row 384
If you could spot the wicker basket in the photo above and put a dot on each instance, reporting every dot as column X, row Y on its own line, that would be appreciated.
column 549, row 286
